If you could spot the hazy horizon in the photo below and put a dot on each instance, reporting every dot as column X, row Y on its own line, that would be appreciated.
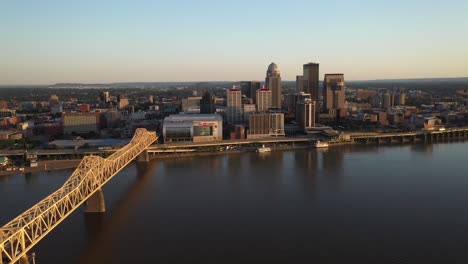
column 50, row 42
column 229, row 81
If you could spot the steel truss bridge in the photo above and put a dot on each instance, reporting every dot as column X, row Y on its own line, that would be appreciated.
column 84, row 185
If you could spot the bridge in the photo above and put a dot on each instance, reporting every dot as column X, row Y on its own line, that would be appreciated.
column 84, row 186
column 426, row 136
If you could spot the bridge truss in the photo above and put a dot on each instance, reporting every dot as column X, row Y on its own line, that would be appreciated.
column 22, row 233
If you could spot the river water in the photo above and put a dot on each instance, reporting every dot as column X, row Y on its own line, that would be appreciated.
column 354, row 204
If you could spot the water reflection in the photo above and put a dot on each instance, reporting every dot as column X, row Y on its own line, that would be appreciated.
column 390, row 204
column 425, row 149
column 101, row 228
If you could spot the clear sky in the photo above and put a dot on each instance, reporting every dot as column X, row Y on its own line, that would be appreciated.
column 45, row 41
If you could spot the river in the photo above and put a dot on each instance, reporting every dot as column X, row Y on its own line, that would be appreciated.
column 350, row 204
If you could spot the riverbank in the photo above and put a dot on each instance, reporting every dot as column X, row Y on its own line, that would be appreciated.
column 212, row 153
column 46, row 165
column 52, row 165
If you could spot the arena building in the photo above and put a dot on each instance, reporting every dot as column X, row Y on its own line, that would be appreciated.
column 193, row 127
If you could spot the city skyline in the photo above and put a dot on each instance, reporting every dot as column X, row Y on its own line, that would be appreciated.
column 51, row 42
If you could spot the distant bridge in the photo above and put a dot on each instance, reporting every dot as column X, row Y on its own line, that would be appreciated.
column 84, row 185
column 426, row 136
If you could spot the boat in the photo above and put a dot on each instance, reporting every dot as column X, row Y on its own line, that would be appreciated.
column 320, row 144
column 263, row 149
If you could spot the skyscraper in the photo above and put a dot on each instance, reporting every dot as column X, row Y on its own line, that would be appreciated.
column 299, row 83
column 273, row 83
column 297, row 98
column 104, row 96
column 400, row 98
column 386, row 100
column 305, row 114
column 334, row 94
column 263, row 100
column 311, row 80
column 249, row 88
column 207, row 104
column 234, row 106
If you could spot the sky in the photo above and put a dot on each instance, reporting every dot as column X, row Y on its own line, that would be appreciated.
column 89, row 41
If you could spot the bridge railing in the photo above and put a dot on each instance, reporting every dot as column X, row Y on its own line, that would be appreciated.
column 26, row 230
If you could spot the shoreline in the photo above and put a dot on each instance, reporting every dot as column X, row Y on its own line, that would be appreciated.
column 55, row 165
column 42, row 166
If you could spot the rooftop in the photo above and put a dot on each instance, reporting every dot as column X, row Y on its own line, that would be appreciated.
column 193, row 117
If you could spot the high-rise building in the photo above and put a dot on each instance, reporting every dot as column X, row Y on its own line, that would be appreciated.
column 376, row 101
column 311, row 80
column 386, row 100
column 245, row 87
column 400, row 99
column 249, row 88
column 288, row 103
column 273, row 83
column 234, row 106
column 334, row 100
column 256, row 85
column 263, row 100
column 207, row 104
column 104, row 96
column 248, row 109
column 305, row 113
column 299, row 83
column 265, row 125
column 297, row 98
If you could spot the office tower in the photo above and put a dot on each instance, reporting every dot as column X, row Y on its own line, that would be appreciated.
column 376, row 101
column 334, row 100
column 104, row 96
column 245, row 87
column 400, row 99
column 273, row 83
column 288, row 103
column 311, row 80
column 305, row 115
column 297, row 98
column 386, row 100
column 248, row 109
column 265, row 125
column 151, row 99
column 249, row 88
column 263, row 100
column 234, row 106
column 299, row 83
column 207, row 104
column 254, row 88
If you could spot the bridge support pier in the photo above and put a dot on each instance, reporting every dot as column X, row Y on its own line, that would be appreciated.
column 96, row 203
column 23, row 260
column 143, row 156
